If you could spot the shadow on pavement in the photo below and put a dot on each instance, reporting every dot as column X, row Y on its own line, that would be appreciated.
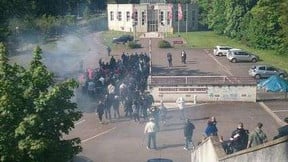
column 165, row 146
column 81, row 159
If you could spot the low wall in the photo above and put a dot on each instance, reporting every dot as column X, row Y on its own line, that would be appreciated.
column 207, row 151
column 204, row 93
column 202, row 88
column 276, row 150
column 211, row 150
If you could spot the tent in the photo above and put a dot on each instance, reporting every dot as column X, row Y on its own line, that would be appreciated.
column 274, row 84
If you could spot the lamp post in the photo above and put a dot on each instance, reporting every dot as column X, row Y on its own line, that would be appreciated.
column 150, row 55
column 134, row 31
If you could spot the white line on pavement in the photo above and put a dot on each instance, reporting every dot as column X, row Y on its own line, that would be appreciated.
column 280, row 110
column 97, row 135
column 221, row 65
column 81, row 121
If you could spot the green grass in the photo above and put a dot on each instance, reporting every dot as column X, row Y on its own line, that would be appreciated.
column 210, row 39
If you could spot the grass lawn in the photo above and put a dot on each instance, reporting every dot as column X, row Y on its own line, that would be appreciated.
column 210, row 39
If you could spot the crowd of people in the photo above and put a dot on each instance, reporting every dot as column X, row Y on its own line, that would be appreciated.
column 121, row 82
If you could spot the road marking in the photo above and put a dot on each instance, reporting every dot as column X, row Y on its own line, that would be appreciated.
column 274, row 116
column 280, row 111
column 81, row 121
column 97, row 135
column 221, row 65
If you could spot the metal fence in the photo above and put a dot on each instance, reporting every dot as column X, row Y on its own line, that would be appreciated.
column 200, row 80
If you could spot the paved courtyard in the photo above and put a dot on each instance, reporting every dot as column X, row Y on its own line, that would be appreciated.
column 123, row 140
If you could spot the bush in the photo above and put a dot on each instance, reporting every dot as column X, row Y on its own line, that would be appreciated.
column 133, row 45
column 164, row 44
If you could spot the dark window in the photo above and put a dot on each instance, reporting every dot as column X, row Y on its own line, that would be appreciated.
column 261, row 68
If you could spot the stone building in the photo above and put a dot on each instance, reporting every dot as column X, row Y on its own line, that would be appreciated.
column 153, row 16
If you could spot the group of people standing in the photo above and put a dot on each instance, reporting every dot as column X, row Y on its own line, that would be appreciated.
column 240, row 138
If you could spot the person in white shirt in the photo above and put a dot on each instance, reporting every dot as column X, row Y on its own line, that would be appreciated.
column 150, row 129
column 181, row 105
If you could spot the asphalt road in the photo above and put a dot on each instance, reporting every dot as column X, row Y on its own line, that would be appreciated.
column 122, row 140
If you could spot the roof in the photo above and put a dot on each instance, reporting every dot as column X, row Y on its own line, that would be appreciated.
column 152, row 1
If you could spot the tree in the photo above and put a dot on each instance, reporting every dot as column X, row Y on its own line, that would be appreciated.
column 35, row 113
column 283, row 32
column 216, row 17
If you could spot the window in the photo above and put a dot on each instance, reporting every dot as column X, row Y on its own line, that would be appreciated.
column 111, row 16
column 271, row 68
column 162, row 18
column 135, row 16
column 262, row 68
column 119, row 16
column 143, row 17
column 127, row 16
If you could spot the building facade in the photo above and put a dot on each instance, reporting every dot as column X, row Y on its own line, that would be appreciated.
column 153, row 16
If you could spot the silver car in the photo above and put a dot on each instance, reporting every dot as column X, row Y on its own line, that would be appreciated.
column 265, row 71
column 221, row 50
column 237, row 55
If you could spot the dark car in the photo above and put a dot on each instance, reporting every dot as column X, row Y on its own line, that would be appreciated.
column 123, row 39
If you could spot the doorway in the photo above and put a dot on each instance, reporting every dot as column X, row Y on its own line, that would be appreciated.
column 152, row 19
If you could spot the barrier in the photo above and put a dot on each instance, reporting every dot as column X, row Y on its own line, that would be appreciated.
column 202, row 88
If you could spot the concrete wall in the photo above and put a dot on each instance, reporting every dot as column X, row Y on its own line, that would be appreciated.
column 275, row 150
column 204, row 152
column 210, row 150
column 205, row 93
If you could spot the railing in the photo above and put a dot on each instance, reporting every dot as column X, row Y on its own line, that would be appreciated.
column 199, row 80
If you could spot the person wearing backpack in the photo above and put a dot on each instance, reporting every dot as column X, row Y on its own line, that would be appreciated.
column 239, row 138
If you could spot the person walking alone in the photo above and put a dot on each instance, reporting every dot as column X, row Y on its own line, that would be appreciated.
column 100, row 111
column 150, row 129
column 169, row 59
column 188, row 133
column 181, row 104
column 108, row 50
column 183, row 57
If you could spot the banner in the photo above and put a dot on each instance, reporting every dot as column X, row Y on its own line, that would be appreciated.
column 180, row 14
column 170, row 12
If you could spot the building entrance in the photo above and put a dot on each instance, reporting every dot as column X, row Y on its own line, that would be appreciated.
column 152, row 20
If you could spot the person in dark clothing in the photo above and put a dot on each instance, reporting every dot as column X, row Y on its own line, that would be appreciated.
column 282, row 131
column 211, row 129
column 239, row 138
column 183, row 57
column 108, row 51
column 188, row 133
column 169, row 59
column 100, row 110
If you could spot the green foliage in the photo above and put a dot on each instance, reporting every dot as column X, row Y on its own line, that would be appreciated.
column 216, row 17
column 35, row 113
column 133, row 45
column 164, row 44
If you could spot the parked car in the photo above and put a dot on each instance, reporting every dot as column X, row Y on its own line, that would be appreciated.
column 221, row 50
column 238, row 55
column 265, row 71
column 123, row 39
